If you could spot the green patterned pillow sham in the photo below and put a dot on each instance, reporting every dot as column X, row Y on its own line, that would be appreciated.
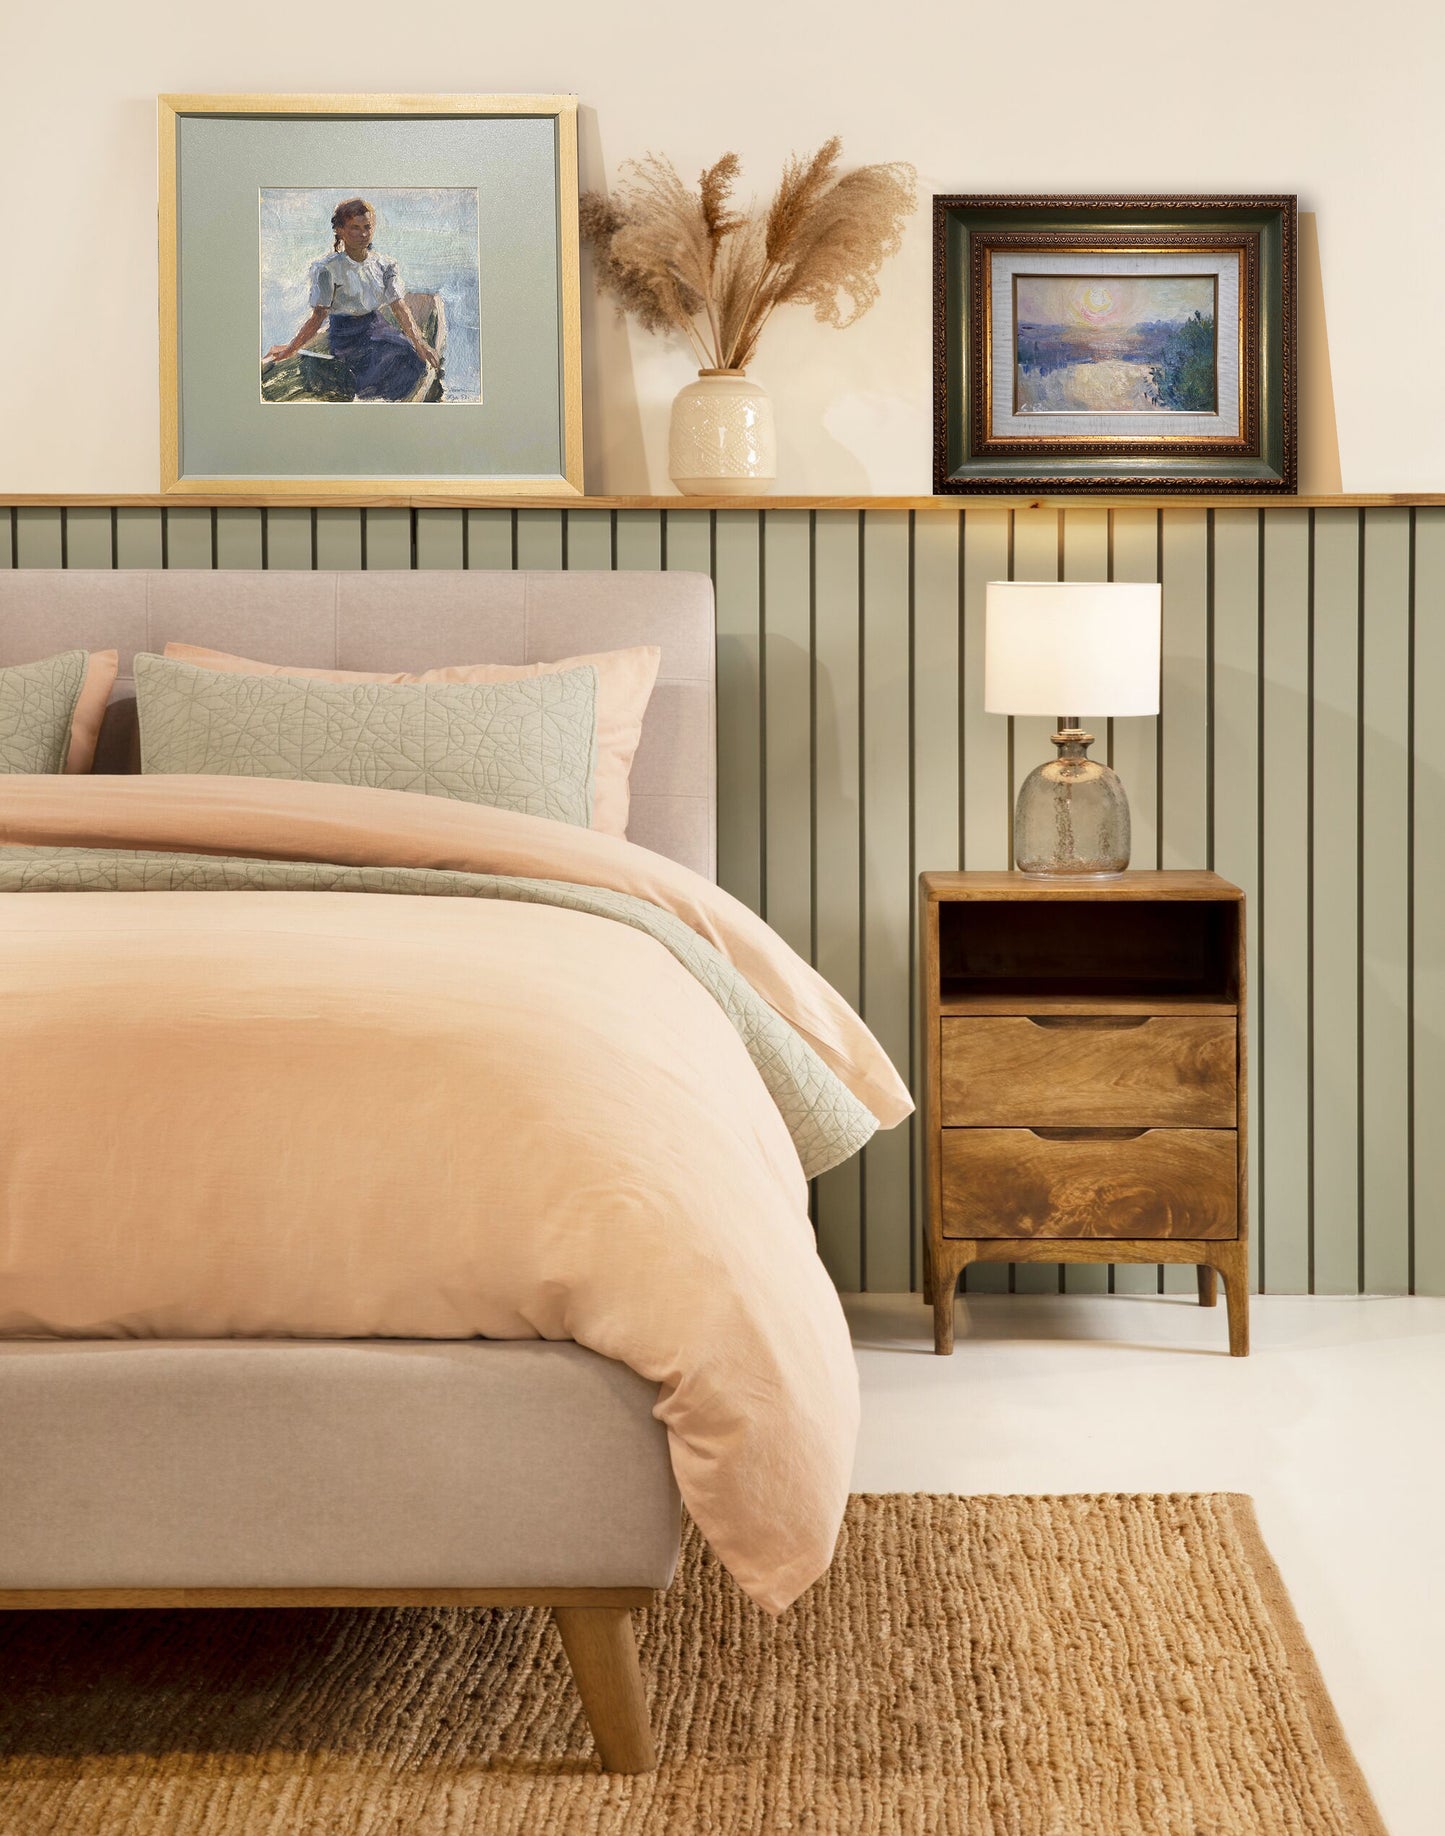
column 37, row 704
column 528, row 745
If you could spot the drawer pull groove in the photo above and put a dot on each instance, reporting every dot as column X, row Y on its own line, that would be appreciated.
column 1096, row 1023
column 1089, row 1134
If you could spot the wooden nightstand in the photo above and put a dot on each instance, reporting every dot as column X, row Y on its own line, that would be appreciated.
column 1084, row 1097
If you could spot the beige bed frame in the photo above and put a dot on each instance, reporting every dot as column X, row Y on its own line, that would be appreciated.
column 58, row 1443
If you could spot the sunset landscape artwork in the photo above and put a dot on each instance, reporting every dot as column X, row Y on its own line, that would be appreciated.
column 1115, row 344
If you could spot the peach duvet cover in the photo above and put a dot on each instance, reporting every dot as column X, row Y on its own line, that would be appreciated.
column 316, row 1114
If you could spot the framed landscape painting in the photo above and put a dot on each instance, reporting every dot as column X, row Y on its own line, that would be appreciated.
column 1114, row 345
column 413, row 254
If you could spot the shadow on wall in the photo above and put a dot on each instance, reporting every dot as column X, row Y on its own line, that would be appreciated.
column 1319, row 470
column 612, row 443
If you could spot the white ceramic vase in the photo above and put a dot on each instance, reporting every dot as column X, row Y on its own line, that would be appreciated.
column 721, row 442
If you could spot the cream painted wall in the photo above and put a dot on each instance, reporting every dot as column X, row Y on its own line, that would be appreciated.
column 1328, row 99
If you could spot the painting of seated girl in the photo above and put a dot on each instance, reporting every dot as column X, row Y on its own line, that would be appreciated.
column 370, row 299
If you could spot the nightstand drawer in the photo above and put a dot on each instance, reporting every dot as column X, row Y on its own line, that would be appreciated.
column 1155, row 1071
column 1020, row 1182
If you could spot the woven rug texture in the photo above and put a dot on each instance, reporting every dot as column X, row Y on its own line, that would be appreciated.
column 1006, row 1666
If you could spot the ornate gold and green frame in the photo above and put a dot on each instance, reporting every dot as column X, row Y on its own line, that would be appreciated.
column 524, row 438
column 1255, row 453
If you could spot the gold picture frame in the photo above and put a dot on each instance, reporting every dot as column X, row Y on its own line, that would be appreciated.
column 552, row 422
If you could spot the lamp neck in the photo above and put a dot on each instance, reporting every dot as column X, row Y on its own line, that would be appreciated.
column 1071, row 739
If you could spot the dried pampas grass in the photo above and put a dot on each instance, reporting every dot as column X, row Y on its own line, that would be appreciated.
column 690, row 262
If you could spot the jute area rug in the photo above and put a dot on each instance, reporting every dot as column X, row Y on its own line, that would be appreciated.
column 1084, row 1666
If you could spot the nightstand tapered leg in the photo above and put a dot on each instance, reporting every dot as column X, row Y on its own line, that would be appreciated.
column 1234, row 1267
column 944, row 1295
column 1208, row 1286
column 950, row 1260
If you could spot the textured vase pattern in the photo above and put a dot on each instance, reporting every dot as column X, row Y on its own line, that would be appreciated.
column 1072, row 816
column 722, row 440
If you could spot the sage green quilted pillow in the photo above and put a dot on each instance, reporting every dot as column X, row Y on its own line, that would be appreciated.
column 37, row 704
column 528, row 745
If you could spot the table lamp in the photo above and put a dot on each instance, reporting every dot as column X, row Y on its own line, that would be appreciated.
column 1071, row 644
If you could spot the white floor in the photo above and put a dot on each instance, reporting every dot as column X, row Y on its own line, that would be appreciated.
column 1335, row 1426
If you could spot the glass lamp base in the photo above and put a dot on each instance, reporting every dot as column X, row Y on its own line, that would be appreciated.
column 1072, row 817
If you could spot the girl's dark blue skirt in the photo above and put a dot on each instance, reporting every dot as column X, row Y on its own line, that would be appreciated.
column 383, row 365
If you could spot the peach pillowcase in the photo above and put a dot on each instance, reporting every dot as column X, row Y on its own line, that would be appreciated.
column 625, row 681
column 90, row 704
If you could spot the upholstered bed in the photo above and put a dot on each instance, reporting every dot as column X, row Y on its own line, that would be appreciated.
column 401, row 1459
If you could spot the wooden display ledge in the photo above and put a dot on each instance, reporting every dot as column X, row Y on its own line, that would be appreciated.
column 977, row 501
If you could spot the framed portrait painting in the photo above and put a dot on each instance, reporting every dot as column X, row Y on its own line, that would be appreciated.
column 414, row 256
column 1114, row 345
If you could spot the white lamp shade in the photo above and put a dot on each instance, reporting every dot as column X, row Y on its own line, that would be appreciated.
column 1071, row 647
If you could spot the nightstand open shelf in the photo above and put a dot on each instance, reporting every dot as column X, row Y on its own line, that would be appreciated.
column 1085, row 1076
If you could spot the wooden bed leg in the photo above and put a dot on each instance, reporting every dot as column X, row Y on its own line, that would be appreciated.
column 603, row 1655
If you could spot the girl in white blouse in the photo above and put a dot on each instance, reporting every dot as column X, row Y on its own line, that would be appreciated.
column 349, row 288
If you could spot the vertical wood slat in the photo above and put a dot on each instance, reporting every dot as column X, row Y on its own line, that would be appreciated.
column 1184, row 713
column 836, row 764
column 39, row 536
column 738, row 585
column 987, row 793
column 288, row 539
column 639, row 538
column 138, row 537
column 885, row 890
column 1334, row 899
column 88, row 540
column 1236, row 767
column 386, row 536
column 689, row 541
column 1036, row 539
column 788, row 727
column 490, row 535
column 937, row 814
column 539, row 538
column 238, row 538
column 1384, row 1265
column 440, row 539
column 339, row 539
column 1349, row 968
column 1135, row 748
column 188, row 537
column 687, row 545
column 987, row 788
column 1283, row 997
column 588, row 539
column 1428, row 905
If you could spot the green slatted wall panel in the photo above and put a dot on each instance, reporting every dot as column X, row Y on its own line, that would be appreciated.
column 837, row 818
column 1282, row 992
column 937, row 759
column 1427, row 958
column 1385, row 903
column 1294, row 752
column 1335, row 840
